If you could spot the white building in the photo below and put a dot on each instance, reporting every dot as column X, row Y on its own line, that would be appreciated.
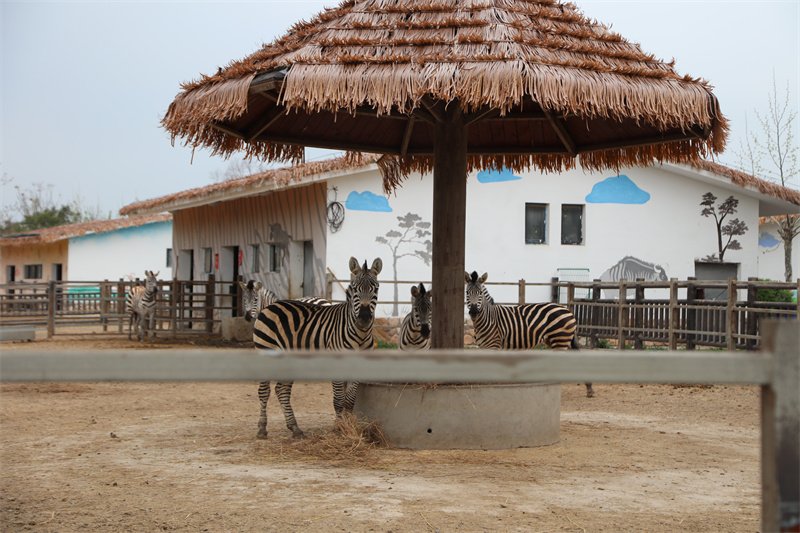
column 574, row 226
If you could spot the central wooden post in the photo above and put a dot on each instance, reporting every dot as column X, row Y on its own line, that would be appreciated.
column 449, row 229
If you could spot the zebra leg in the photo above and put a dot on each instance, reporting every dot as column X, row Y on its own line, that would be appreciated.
column 133, row 318
column 350, row 396
column 338, row 397
column 140, row 329
column 153, row 326
column 284, row 393
column 263, row 397
column 575, row 346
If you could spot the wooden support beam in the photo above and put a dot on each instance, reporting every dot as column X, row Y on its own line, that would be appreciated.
column 407, row 136
column 674, row 137
column 433, row 109
column 562, row 132
column 486, row 114
column 449, row 228
column 226, row 129
column 264, row 121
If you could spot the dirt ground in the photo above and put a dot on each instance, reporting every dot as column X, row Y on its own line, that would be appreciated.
column 183, row 457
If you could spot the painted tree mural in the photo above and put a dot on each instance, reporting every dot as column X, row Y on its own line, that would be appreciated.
column 731, row 229
column 412, row 239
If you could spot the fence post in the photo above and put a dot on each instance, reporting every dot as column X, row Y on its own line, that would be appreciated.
column 594, row 314
column 105, row 301
column 209, row 303
column 521, row 292
column 638, row 315
column 571, row 297
column 730, row 314
column 691, row 313
column 622, row 318
column 173, row 306
column 121, row 297
column 51, row 309
column 673, row 313
column 780, row 428
column 554, row 290
column 752, row 317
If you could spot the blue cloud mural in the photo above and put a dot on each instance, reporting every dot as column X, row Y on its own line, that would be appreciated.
column 617, row 190
column 367, row 201
column 493, row 176
column 767, row 240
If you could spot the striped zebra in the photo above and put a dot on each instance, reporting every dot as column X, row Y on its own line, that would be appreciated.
column 140, row 306
column 256, row 297
column 415, row 331
column 518, row 327
column 294, row 324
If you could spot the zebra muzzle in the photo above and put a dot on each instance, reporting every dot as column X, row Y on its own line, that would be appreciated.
column 425, row 331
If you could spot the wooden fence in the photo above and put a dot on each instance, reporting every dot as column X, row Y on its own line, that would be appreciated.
column 776, row 369
column 687, row 316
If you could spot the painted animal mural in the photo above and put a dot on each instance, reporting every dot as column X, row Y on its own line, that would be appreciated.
column 631, row 269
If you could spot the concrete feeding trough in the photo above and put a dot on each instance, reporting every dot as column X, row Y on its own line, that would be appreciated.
column 463, row 417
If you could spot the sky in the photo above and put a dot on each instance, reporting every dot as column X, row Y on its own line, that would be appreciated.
column 85, row 84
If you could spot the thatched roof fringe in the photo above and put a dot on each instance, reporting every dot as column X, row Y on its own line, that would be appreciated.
column 79, row 229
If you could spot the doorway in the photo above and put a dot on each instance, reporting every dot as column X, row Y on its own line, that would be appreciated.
column 301, row 269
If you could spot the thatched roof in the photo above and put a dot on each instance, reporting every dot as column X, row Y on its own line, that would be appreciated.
column 743, row 179
column 57, row 233
column 540, row 82
column 253, row 184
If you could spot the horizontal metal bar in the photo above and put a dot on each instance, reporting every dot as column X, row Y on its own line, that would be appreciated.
column 441, row 366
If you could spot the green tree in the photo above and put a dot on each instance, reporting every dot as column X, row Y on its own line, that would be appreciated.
column 772, row 155
column 36, row 208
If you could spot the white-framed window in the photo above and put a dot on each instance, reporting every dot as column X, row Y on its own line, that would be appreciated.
column 274, row 257
column 255, row 258
column 208, row 261
column 572, row 224
column 33, row 271
column 535, row 223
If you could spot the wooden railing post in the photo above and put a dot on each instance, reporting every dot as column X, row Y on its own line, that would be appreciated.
column 673, row 313
column 638, row 315
column 622, row 315
column 209, row 303
column 780, row 428
column 594, row 314
column 752, row 316
column 51, row 309
column 105, row 303
column 554, row 290
column 730, row 315
column 691, row 313
column 121, row 304
column 521, row 292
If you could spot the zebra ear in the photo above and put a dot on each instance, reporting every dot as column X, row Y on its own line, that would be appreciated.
column 482, row 279
column 258, row 286
column 377, row 266
column 355, row 268
column 243, row 286
column 467, row 278
column 147, row 273
column 414, row 292
column 156, row 274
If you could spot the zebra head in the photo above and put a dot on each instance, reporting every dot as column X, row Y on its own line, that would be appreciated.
column 477, row 295
column 151, row 282
column 421, row 309
column 362, row 293
column 251, row 299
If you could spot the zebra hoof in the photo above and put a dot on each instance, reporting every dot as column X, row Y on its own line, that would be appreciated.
column 297, row 433
column 262, row 434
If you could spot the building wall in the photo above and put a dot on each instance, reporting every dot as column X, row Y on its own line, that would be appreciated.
column 44, row 254
column 122, row 254
column 651, row 214
column 287, row 218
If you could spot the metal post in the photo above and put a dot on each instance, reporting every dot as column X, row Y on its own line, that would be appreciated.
column 730, row 314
